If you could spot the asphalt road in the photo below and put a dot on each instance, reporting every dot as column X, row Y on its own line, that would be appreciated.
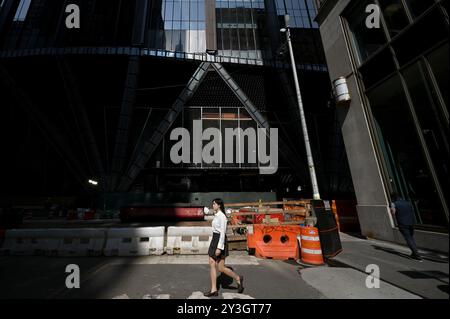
column 146, row 277
column 183, row 277
column 180, row 277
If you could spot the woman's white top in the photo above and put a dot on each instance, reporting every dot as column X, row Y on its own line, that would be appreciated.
column 219, row 226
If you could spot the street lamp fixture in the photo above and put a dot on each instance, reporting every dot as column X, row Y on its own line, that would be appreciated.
column 312, row 171
column 341, row 91
column 95, row 183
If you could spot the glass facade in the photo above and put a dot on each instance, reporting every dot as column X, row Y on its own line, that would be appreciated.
column 240, row 25
column 302, row 13
column 244, row 29
column 417, row 7
column 181, row 27
column 22, row 10
column 238, row 28
column 394, row 15
column 367, row 41
column 404, row 68
column 178, row 26
column 409, row 173
column 305, row 31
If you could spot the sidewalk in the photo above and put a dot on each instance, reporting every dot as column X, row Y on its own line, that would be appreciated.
column 427, row 279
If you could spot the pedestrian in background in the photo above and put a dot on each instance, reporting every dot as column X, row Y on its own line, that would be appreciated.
column 218, row 250
column 404, row 214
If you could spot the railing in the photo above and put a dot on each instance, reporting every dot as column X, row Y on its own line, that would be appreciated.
column 204, row 57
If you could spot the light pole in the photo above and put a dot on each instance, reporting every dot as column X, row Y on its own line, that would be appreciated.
column 312, row 171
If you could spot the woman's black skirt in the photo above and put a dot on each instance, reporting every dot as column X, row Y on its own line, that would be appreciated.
column 213, row 247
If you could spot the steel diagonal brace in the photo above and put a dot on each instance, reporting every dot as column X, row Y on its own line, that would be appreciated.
column 149, row 146
column 125, row 118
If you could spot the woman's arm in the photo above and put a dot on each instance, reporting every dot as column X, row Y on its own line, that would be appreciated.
column 223, row 231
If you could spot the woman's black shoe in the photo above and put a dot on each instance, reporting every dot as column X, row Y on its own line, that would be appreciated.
column 211, row 294
column 241, row 284
column 415, row 257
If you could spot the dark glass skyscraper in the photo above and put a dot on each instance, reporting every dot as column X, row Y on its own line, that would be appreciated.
column 243, row 29
column 100, row 99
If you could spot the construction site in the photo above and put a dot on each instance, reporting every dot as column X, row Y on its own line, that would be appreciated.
column 124, row 122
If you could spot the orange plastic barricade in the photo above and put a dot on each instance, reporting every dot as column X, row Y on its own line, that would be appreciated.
column 346, row 215
column 251, row 243
column 310, row 246
column 275, row 242
column 336, row 216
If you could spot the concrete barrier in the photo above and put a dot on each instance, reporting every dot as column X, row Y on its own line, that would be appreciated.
column 142, row 241
column 188, row 240
column 75, row 242
column 23, row 242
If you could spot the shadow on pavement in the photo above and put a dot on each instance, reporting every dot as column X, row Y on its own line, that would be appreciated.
column 425, row 256
column 224, row 282
column 426, row 274
column 434, row 258
column 443, row 288
column 291, row 262
column 44, row 277
column 392, row 251
column 355, row 234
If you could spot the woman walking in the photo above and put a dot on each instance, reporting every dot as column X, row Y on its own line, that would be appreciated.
column 218, row 250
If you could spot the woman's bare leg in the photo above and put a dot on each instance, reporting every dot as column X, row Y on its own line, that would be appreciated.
column 227, row 271
column 213, row 272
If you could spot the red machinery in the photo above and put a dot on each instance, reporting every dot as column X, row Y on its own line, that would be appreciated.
column 158, row 213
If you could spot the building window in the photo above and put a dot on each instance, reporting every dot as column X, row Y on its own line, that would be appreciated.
column 417, row 7
column 432, row 120
column 394, row 15
column 366, row 41
column 380, row 66
column 301, row 12
column 438, row 61
column 427, row 32
column 409, row 172
column 22, row 10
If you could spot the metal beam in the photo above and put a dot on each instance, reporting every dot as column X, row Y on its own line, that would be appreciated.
column 126, row 113
column 211, row 26
column 147, row 148
column 140, row 21
column 127, row 51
